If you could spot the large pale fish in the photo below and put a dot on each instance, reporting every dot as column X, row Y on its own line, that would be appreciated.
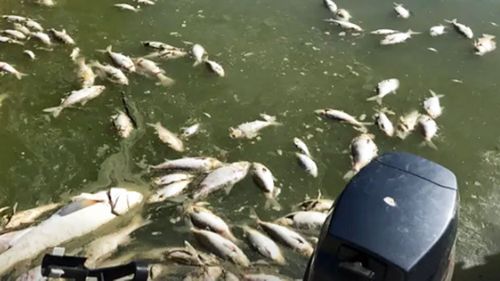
column 287, row 237
column 401, row 11
column 123, row 124
column 81, row 96
column 263, row 177
column 225, row 176
column 85, row 74
column 339, row 115
column 14, row 18
column 77, row 219
column 264, row 245
column 363, row 150
column 110, row 72
column 200, row 164
column 429, row 129
column 42, row 37
column 150, row 68
column 121, row 60
column 199, row 54
column 308, row 164
column 397, row 38
column 250, row 130
column 384, row 88
column 166, row 136
column 343, row 15
column 169, row 191
column 462, row 28
column 62, row 36
column 309, row 220
column 7, row 240
column 437, row 30
column 346, row 24
column 221, row 246
column 32, row 24
column 432, row 105
column 20, row 27
column 485, row 44
column 7, row 68
column 203, row 218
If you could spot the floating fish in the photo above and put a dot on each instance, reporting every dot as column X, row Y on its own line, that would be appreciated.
column 171, row 178
column 346, row 24
column 150, row 68
column 250, row 130
column 188, row 255
column 29, row 216
column 301, row 146
column 4, row 39
column 317, row 204
column 308, row 164
column 85, row 74
column 225, row 176
column 199, row 54
column 384, row 88
column 384, row 31
column 110, row 73
column 428, row 128
column 127, row 7
column 166, row 136
column 432, row 105
column 121, row 60
column 123, row 124
column 287, row 237
column 384, row 123
column 401, row 11
column 190, row 131
column 397, row 38
column 343, row 15
column 485, row 44
column 20, row 27
column 14, row 34
column 31, row 24
column 221, row 246
column 14, row 18
column 462, row 28
column 264, row 245
column 42, row 37
column 339, row 115
column 308, row 220
column 62, row 36
column 30, row 54
column 169, row 191
column 7, row 68
column 203, row 218
column 331, row 5
column 81, row 96
column 201, row 164
column 437, row 30
column 363, row 150
column 215, row 67
column 407, row 124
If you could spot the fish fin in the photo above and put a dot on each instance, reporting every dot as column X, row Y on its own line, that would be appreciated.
column 164, row 80
column 375, row 98
column 56, row 111
column 272, row 203
column 154, row 125
column 254, row 216
column 196, row 63
column 348, row 176
column 108, row 49
column 451, row 21
column 428, row 143
column 268, row 117
column 20, row 75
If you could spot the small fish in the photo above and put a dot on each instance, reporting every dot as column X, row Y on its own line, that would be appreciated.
column 111, row 73
column 331, row 5
column 485, row 44
column 85, row 74
column 437, row 30
column 7, row 68
column 287, row 237
column 308, row 164
column 363, row 150
column 170, row 190
column 31, row 24
column 146, row 2
column 432, row 49
column 4, row 39
column 42, row 37
column 215, row 67
column 75, row 53
column 250, row 130
column 203, row 218
column 346, row 24
column 123, row 124
column 199, row 54
column 264, row 179
column 20, row 27
column 429, row 129
column 188, row 255
column 264, row 245
column 150, row 68
column 339, row 116
column 432, row 105
column 201, row 164
column 407, row 124
column 308, row 220
column 384, row 123
column 30, row 54
column 171, row 178
column 384, row 88
column 62, row 36
column 401, row 11
column 167, row 54
column 343, row 15
column 225, row 176
column 462, row 28
column 14, row 34
column 221, row 246
column 159, row 45
column 121, row 60
column 397, row 38
column 46, row 3
column 301, row 146
column 14, row 18
column 127, row 7
column 81, row 96
column 166, row 136
column 384, row 31
column 190, row 131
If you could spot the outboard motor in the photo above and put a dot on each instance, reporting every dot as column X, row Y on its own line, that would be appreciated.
column 395, row 221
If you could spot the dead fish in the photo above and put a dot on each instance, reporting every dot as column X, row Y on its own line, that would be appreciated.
column 331, row 5
column 363, row 150
column 190, row 131
column 225, row 176
column 188, row 255
column 432, row 105
column 301, row 146
column 146, row 2
column 264, row 179
column 203, row 218
column 384, row 88
column 7, row 68
column 215, row 67
column 127, row 7
column 110, row 72
column 85, row 74
column 308, row 164
column 14, row 18
column 250, row 130
column 29, row 216
column 437, row 30
column 343, row 15
column 62, row 36
column 264, row 245
column 407, row 124
column 397, row 38
column 14, row 34
column 339, row 115
column 159, row 45
column 121, row 60
column 346, row 24
column 287, row 237
column 42, row 37
column 262, row 277
column 221, row 246
column 199, row 54
column 201, row 164
column 75, row 53
column 205, row 273
column 308, row 220
column 168, row 191
column 485, row 44
column 429, row 129
column 462, row 28
column 123, row 124
column 30, row 54
column 384, row 123
column 81, row 96
column 31, row 24
column 171, row 178
column 166, row 136
column 317, row 204
column 383, row 31
column 46, row 3
column 20, row 27
column 167, row 54
column 4, row 39
column 401, row 11
column 150, row 68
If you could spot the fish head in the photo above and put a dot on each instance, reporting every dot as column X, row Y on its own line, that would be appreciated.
column 155, row 198
column 235, row 133
column 122, row 200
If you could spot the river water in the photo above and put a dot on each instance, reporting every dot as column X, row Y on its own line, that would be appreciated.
column 281, row 59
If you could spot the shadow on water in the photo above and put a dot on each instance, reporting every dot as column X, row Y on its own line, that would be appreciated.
column 488, row 271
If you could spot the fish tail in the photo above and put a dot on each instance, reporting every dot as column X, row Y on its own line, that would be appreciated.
column 154, row 125
column 272, row 203
column 253, row 215
column 54, row 110
column 164, row 80
column 428, row 143
column 451, row 21
column 20, row 75
column 375, row 98
column 267, row 117
column 196, row 63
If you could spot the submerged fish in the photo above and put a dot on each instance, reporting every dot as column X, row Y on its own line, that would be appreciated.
column 30, row 54
column 170, row 190
column 123, row 124
column 462, row 28
column 121, row 60
column 250, row 130
column 264, row 245
column 485, row 44
column 203, row 218
column 127, row 7
column 384, row 88
column 437, row 30
column 401, row 11
column 432, row 105
column 81, row 96
column 85, row 74
column 225, row 176
column 215, row 67
column 199, row 54
column 7, row 68
column 110, row 72
column 62, row 36
column 397, row 38
column 84, row 215
column 221, row 246
column 201, row 164
column 308, row 164
column 166, row 136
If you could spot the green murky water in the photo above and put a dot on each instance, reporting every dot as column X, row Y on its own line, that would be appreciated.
column 280, row 58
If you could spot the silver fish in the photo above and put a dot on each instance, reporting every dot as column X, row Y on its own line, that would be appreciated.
column 397, row 38
column 168, row 191
column 4, row 39
column 62, row 36
column 110, row 72
column 437, row 30
column 407, row 124
column 215, row 67
column 301, row 146
column 384, row 88
column 462, row 28
column 429, row 129
column 187, row 132
column 150, row 68
column 485, row 44
column 14, row 18
column 346, row 24
column 383, row 31
column 75, row 54
column 7, row 68
column 308, row 164
column 121, row 60
column 159, row 45
column 262, row 277
column 166, row 136
column 127, row 7
column 401, row 11
column 287, row 237
column 168, row 54
column 317, row 204
column 264, row 245
column 250, row 130
column 81, row 96
column 339, row 115
column 384, row 123
column 363, row 150
column 203, row 218
column 146, row 2
column 123, row 124
column 432, row 105
column 31, row 24
column 201, row 164
column 225, row 176
column 199, row 54
column 263, row 177
column 343, row 15
column 20, row 27
column 85, row 74
column 171, row 178
column 14, row 34
column 304, row 220
column 30, row 54
column 42, row 37
column 221, row 246
column 46, row 3
column 331, row 5
column 188, row 255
